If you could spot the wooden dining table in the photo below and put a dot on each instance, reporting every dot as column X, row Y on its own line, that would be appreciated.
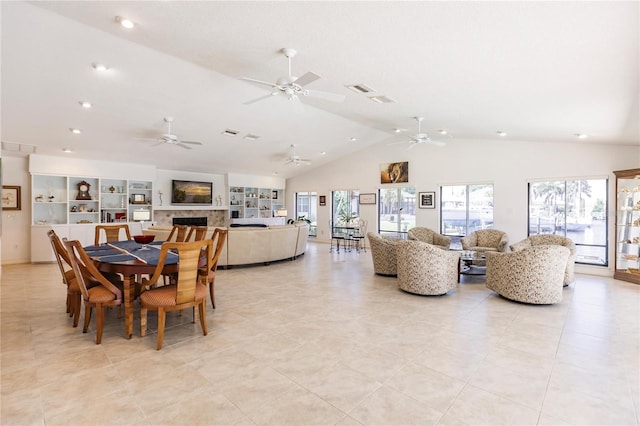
column 132, row 261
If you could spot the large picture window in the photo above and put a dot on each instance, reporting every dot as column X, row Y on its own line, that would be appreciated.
column 575, row 209
column 465, row 209
column 307, row 208
column 397, row 211
column 344, row 207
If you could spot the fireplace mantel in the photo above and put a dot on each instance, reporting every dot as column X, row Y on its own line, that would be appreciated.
column 161, row 208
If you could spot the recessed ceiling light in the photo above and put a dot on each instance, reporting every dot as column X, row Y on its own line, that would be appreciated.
column 353, row 139
column 382, row 99
column 442, row 132
column 581, row 135
column 323, row 153
column 99, row 67
column 67, row 150
column 127, row 23
column 85, row 104
column 275, row 173
column 250, row 137
column 501, row 133
column 74, row 130
column 396, row 130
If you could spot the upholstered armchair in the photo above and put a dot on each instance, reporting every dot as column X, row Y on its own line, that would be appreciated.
column 425, row 268
column 553, row 240
column 429, row 236
column 383, row 252
column 485, row 240
column 532, row 275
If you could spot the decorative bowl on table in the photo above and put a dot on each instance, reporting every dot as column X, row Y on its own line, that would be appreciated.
column 143, row 239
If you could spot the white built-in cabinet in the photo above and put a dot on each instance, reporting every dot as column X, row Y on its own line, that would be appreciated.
column 254, row 203
column 59, row 204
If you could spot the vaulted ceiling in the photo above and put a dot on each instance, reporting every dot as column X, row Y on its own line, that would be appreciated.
column 539, row 71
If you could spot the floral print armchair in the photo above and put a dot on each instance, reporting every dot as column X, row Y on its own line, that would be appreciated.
column 426, row 269
column 554, row 240
column 485, row 240
column 532, row 275
column 429, row 236
column 383, row 252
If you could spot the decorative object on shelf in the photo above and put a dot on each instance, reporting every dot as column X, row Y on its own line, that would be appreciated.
column 427, row 200
column 51, row 198
column 11, row 197
column 138, row 199
column 160, row 196
column 74, row 209
column 367, row 198
column 39, row 198
column 274, row 195
column 219, row 200
column 83, row 191
column 112, row 189
column 83, row 208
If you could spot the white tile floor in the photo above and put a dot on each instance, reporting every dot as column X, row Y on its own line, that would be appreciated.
column 323, row 341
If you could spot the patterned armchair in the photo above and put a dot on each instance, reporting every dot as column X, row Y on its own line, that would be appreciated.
column 426, row 269
column 553, row 240
column 383, row 252
column 429, row 236
column 532, row 275
column 485, row 240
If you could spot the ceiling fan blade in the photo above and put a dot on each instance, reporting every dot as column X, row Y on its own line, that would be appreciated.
column 261, row 98
column 412, row 145
column 334, row 97
column 264, row 83
column 156, row 144
column 309, row 77
column 180, row 144
column 437, row 143
column 192, row 142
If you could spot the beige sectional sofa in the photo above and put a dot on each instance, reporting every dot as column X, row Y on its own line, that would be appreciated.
column 249, row 245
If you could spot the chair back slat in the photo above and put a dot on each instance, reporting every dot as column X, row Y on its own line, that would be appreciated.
column 178, row 233
column 197, row 233
column 111, row 232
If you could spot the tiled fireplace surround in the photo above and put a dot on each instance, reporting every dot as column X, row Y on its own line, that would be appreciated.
column 214, row 217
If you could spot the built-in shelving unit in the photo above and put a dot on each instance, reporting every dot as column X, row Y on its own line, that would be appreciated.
column 627, row 250
column 253, row 203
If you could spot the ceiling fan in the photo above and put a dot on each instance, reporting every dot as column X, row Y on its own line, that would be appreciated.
column 171, row 139
column 293, row 87
column 420, row 138
column 295, row 159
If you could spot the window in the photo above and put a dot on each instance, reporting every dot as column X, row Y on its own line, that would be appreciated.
column 397, row 213
column 344, row 206
column 574, row 209
column 465, row 209
column 307, row 207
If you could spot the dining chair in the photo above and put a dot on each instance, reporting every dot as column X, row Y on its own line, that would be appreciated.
column 188, row 291
column 178, row 233
column 103, row 295
column 68, row 277
column 112, row 232
column 196, row 233
column 336, row 236
column 219, row 237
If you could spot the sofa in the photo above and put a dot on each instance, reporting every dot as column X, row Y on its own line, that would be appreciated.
column 554, row 240
column 248, row 245
column 532, row 275
column 425, row 268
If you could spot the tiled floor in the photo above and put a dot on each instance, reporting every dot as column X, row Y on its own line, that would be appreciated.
column 323, row 341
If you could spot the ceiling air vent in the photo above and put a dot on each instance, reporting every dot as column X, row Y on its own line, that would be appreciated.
column 381, row 99
column 360, row 88
column 229, row 132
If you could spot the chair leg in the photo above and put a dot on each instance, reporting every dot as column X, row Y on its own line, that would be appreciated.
column 202, row 308
column 161, row 321
column 99, row 323
column 212, row 293
column 87, row 318
column 143, row 321
column 77, row 305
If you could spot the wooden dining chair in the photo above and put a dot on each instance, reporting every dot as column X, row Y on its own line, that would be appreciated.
column 105, row 294
column 219, row 237
column 197, row 233
column 112, row 232
column 178, row 233
column 74, row 298
column 188, row 291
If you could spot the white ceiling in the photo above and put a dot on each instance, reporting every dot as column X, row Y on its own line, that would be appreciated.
column 540, row 71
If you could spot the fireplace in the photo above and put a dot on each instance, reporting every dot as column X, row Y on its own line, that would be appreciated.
column 191, row 221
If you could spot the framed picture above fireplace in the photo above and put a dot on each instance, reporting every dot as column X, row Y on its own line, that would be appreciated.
column 188, row 192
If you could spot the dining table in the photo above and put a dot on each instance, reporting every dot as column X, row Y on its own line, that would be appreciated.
column 131, row 260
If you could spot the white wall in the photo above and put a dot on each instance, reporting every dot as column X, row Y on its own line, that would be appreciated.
column 16, row 224
column 508, row 165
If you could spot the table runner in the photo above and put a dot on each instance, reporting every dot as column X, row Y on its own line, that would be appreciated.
column 149, row 254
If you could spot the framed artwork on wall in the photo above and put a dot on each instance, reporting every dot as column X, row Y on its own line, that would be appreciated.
column 367, row 198
column 394, row 172
column 323, row 200
column 11, row 197
column 427, row 200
